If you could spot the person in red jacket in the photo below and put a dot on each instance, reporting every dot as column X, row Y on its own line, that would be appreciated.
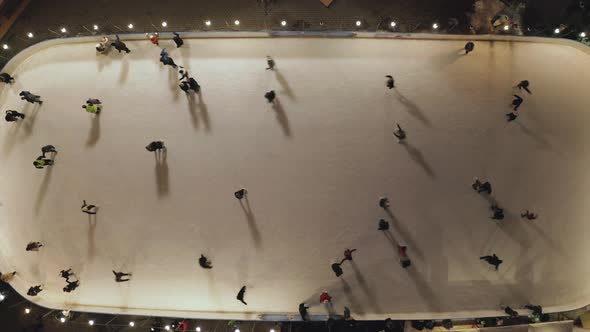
column 155, row 38
column 325, row 297
column 182, row 326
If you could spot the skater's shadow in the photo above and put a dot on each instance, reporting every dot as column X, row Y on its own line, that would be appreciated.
column 174, row 82
column 282, row 118
column 11, row 137
column 354, row 303
column 103, row 61
column 94, row 134
column 422, row 286
column 537, row 137
column 91, row 251
column 30, row 119
column 448, row 59
column 124, row 74
column 254, row 232
column 412, row 108
column 417, row 157
column 198, row 111
column 162, row 178
column 365, row 287
column 403, row 233
column 285, row 85
column 43, row 188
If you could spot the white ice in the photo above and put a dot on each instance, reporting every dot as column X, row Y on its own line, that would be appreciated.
column 314, row 168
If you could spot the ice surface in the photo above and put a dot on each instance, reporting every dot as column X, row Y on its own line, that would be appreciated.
column 314, row 168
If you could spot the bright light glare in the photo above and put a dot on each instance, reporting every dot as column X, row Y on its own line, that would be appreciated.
column 164, row 24
column 207, row 23
column 556, row 31
column 63, row 30
column 358, row 23
column 435, row 26
column 131, row 324
column 393, row 24
column 5, row 46
column 91, row 322
column 198, row 329
column 272, row 330
column 30, row 35
column 582, row 34
column 27, row 311
column 167, row 327
column 506, row 27
column 237, row 330
column 2, row 297
column 63, row 319
column 130, row 26
column 95, row 27
column 283, row 22
column 237, row 22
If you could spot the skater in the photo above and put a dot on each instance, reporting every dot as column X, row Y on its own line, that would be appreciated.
column 33, row 246
column 31, row 98
column 190, row 84
column 511, row 116
column 346, row 313
column 155, row 38
column 33, row 291
column 384, row 202
column 179, row 42
column 93, row 101
column 182, row 326
column 194, row 85
column 517, row 102
column 66, row 274
column 390, row 83
column 469, row 47
column 240, row 194
column 303, row 311
column 482, row 187
column 511, row 312
column 403, row 256
column 337, row 269
column 399, row 133
column 6, row 78
column 12, row 116
column 270, row 96
column 71, row 286
column 529, row 215
column 103, row 47
column 536, row 309
column 348, row 255
column 93, row 108
column 89, row 209
column 166, row 59
column 241, row 293
column 204, row 262
column 119, row 276
column 270, row 62
column 41, row 162
column 498, row 212
column 524, row 85
column 492, row 260
column 119, row 45
column 183, row 73
column 7, row 277
column 156, row 146
column 383, row 225
column 325, row 298
column 48, row 149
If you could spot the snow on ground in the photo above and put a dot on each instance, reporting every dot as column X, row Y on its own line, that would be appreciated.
column 314, row 167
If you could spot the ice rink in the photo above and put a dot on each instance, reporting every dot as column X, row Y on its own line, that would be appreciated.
column 314, row 166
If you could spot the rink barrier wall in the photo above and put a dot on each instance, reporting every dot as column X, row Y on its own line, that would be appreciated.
column 22, row 56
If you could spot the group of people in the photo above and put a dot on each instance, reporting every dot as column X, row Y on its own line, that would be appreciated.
column 188, row 83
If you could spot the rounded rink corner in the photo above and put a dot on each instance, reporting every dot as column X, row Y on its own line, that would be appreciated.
column 313, row 164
